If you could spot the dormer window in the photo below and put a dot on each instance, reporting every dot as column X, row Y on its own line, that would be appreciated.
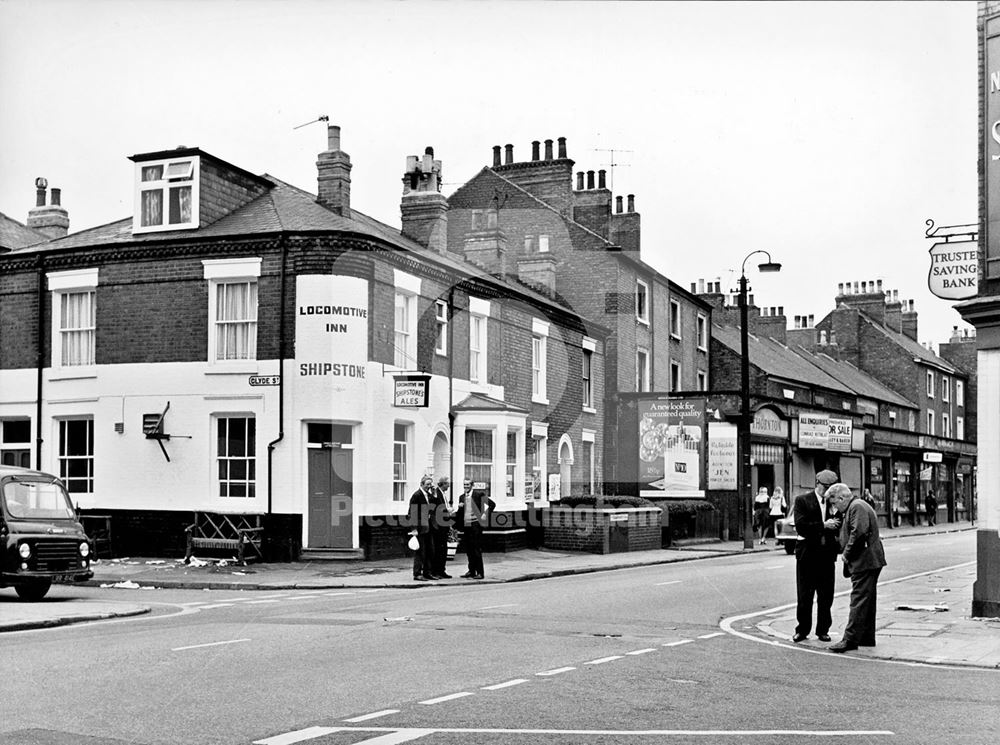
column 166, row 195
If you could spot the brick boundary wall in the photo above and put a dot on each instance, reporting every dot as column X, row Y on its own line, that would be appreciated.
column 587, row 529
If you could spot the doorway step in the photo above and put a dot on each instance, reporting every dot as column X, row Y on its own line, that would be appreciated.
column 332, row 554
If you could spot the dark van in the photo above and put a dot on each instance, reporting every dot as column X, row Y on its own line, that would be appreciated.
column 41, row 538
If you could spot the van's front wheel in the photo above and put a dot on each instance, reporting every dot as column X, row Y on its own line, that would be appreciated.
column 34, row 591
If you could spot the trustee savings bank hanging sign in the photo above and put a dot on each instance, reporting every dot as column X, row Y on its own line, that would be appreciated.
column 991, row 145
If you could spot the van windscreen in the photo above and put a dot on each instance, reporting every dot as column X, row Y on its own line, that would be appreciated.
column 36, row 500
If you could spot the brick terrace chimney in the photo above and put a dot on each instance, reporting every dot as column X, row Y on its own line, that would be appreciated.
column 893, row 311
column 909, row 320
column 334, row 167
column 625, row 226
column 51, row 220
column 496, row 155
column 423, row 208
column 870, row 299
column 550, row 180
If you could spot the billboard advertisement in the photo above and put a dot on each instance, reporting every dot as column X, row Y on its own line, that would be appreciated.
column 671, row 447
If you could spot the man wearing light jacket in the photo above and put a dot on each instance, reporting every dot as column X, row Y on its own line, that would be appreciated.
column 863, row 559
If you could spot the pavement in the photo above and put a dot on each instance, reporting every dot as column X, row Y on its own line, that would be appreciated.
column 921, row 619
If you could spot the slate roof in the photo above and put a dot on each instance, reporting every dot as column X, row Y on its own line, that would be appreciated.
column 779, row 361
column 15, row 235
column 912, row 347
column 287, row 208
column 857, row 380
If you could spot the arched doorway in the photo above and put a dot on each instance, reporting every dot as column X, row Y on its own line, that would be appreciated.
column 565, row 466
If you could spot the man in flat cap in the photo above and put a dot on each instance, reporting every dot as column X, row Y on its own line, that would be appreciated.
column 815, row 557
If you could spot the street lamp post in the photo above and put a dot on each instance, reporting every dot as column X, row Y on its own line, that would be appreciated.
column 746, row 497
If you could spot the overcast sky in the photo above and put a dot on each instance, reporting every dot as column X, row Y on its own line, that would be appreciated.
column 826, row 133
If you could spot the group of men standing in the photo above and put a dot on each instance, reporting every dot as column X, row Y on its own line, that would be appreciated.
column 830, row 520
column 432, row 521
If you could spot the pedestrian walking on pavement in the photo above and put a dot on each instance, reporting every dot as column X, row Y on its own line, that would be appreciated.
column 420, row 523
column 777, row 507
column 863, row 559
column 761, row 504
column 816, row 551
column 441, row 524
column 474, row 509
column 931, row 505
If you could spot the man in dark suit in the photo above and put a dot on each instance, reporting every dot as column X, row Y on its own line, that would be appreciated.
column 864, row 558
column 421, row 502
column 441, row 524
column 474, row 509
column 815, row 556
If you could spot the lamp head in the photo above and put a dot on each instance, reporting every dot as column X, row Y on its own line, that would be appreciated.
column 769, row 266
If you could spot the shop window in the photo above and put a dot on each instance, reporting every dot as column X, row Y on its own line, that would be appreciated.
column 15, row 442
column 236, row 454
column 76, row 455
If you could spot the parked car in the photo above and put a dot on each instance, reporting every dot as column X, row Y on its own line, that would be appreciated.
column 41, row 538
column 785, row 533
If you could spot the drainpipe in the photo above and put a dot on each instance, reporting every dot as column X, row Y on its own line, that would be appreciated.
column 451, row 398
column 281, row 375
column 39, row 362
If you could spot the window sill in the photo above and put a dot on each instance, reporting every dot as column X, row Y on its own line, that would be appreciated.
column 539, row 400
column 675, row 337
column 589, row 410
column 643, row 321
column 73, row 373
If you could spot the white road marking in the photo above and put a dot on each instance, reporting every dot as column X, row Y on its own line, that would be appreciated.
column 677, row 644
column 377, row 589
column 556, row 671
column 298, row 736
column 414, row 733
column 604, row 659
column 642, row 651
column 209, row 644
column 216, row 605
column 508, row 684
column 712, row 635
column 301, row 597
column 671, row 582
column 449, row 697
column 336, row 594
column 396, row 737
column 257, row 602
column 491, row 607
column 373, row 715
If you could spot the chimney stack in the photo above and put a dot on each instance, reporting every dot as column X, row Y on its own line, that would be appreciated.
column 590, row 179
column 535, row 145
column 496, row 155
column 562, row 147
column 601, row 179
column 508, row 154
column 631, row 202
column 334, row 168
column 579, row 180
column 424, row 210
column 550, row 180
column 548, row 150
column 51, row 220
column 909, row 320
column 618, row 205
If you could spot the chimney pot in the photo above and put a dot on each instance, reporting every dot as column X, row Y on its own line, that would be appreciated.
column 618, row 205
column 40, row 196
column 56, row 196
column 880, row 285
column 579, row 180
column 855, row 287
column 496, row 155
column 864, row 288
column 562, row 147
column 693, row 286
column 590, row 179
column 840, row 288
column 535, row 147
column 601, row 176
column 548, row 150
column 781, row 310
column 333, row 138
column 810, row 320
column 508, row 154
column 631, row 202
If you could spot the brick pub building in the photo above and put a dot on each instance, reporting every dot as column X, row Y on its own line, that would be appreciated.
column 241, row 346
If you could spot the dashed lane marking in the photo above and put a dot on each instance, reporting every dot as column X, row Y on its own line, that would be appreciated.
column 605, row 659
column 671, row 582
column 508, row 684
column 373, row 715
column 712, row 635
column 491, row 607
column 258, row 602
column 209, row 644
column 336, row 594
column 678, row 643
column 641, row 651
column 393, row 738
column 449, row 697
column 289, row 738
column 216, row 605
column 557, row 671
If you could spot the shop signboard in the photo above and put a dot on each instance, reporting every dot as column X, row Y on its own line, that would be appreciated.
column 825, row 432
column 723, row 462
column 766, row 423
column 954, row 271
column 840, row 435
column 411, row 390
column 671, row 447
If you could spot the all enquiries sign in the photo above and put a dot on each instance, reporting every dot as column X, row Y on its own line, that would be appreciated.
column 824, row 432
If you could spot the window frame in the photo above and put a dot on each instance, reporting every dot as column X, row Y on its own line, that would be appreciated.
column 675, row 319
column 220, row 273
column 539, row 461
column 702, row 332
column 62, row 286
column 702, row 380
column 400, row 482
column 945, row 389
column 675, row 377
column 959, row 427
column 960, row 393
column 222, row 455
column 65, row 458
column 930, row 384
column 484, row 219
column 587, row 378
column 642, row 372
column 163, row 186
column 15, row 452
column 930, row 422
column 404, row 341
column 945, row 425
column 441, row 312
column 589, row 457
column 539, row 361
column 642, row 301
